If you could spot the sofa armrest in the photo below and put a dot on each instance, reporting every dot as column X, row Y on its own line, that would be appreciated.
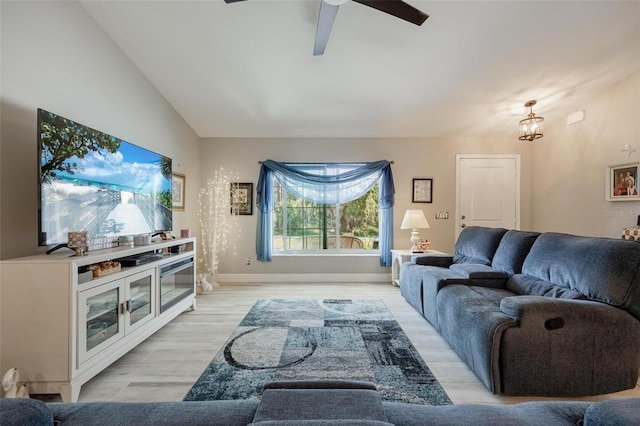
column 433, row 259
column 319, row 403
column 320, row 384
column 24, row 411
column 557, row 312
column 472, row 270
column 563, row 347
column 613, row 412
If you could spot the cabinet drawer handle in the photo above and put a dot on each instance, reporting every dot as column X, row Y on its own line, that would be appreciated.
column 128, row 305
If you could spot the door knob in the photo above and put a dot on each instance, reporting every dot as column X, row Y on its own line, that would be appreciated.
column 463, row 217
column 463, row 226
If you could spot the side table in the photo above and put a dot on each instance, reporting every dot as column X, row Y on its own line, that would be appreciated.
column 398, row 258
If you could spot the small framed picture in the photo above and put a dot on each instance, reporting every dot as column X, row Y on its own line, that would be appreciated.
column 241, row 198
column 422, row 191
column 178, row 181
column 622, row 182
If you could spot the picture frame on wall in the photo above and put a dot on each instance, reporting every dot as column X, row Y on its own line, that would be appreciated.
column 178, row 182
column 422, row 190
column 622, row 182
column 241, row 198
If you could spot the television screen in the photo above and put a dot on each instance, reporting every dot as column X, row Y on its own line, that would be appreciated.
column 91, row 181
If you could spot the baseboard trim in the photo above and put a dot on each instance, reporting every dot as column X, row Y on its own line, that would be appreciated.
column 304, row 278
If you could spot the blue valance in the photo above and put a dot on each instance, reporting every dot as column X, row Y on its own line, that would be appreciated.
column 325, row 183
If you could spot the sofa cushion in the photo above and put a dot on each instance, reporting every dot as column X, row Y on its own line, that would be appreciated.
column 470, row 320
column 24, row 412
column 585, row 263
column 614, row 412
column 477, row 244
column 411, row 283
column 527, row 285
column 433, row 280
column 193, row 413
column 512, row 250
column 537, row 413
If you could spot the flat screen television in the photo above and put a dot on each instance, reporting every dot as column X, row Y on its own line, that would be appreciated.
column 92, row 181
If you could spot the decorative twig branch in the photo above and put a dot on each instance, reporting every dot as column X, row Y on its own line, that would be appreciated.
column 217, row 224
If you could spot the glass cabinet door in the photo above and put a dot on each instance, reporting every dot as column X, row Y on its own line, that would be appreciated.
column 177, row 281
column 139, row 305
column 99, row 318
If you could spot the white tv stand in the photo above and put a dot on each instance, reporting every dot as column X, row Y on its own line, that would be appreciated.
column 60, row 331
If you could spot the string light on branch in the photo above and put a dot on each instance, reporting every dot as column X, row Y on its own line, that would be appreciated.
column 217, row 225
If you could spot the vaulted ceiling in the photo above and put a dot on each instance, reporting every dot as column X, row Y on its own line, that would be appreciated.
column 247, row 69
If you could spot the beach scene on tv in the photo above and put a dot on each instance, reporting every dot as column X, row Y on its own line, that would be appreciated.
column 91, row 181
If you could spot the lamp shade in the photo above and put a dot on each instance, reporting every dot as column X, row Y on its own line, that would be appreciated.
column 414, row 219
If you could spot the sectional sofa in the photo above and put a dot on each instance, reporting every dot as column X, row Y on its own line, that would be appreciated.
column 319, row 403
column 535, row 314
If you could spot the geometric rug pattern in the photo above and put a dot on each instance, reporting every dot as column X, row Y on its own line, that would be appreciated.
column 304, row 339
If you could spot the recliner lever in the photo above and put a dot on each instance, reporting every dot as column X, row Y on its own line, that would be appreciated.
column 554, row 323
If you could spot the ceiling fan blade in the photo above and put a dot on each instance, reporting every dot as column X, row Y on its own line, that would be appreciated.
column 397, row 8
column 326, row 18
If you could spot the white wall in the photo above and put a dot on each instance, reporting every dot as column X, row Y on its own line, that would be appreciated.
column 568, row 166
column 428, row 157
column 55, row 57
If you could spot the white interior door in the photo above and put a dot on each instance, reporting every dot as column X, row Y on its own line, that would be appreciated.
column 487, row 191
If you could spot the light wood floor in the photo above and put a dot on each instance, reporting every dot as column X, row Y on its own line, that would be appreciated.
column 165, row 366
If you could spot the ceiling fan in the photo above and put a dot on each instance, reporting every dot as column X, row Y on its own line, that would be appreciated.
column 329, row 10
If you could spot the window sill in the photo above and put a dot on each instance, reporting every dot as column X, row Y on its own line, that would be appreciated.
column 344, row 253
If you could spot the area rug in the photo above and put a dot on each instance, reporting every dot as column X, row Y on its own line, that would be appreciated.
column 305, row 339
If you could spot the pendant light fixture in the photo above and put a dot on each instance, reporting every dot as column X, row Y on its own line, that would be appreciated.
column 531, row 127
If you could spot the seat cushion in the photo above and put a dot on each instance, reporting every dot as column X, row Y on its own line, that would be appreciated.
column 470, row 320
column 432, row 281
column 411, row 283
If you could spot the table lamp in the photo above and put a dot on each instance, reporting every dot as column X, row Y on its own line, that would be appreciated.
column 414, row 219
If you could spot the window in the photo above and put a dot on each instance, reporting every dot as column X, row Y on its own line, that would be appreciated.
column 332, row 187
column 302, row 225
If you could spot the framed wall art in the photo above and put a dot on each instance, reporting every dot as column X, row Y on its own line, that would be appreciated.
column 178, row 182
column 622, row 182
column 241, row 198
column 422, row 190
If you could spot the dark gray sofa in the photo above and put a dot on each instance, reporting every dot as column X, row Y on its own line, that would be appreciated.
column 536, row 314
column 316, row 403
